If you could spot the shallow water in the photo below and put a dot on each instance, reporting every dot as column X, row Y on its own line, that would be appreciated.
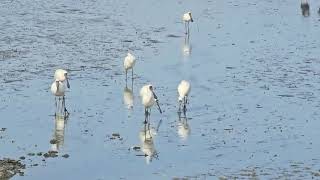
column 254, row 69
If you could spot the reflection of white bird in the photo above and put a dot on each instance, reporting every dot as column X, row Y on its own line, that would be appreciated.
column 148, row 98
column 183, row 128
column 129, row 62
column 147, row 136
column 128, row 97
column 186, row 48
column 187, row 18
column 60, row 122
column 62, row 75
column 184, row 90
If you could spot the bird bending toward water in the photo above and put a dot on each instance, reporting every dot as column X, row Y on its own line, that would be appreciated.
column 187, row 17
column 183, row 89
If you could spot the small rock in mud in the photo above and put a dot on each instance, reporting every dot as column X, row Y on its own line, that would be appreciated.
column 116, row 135
column 65, row 155
column 31, row 154
column 10, row 167
column 3, row 129
column 39, row 154
column 53, row 141
column 50, row 154
column 22, row 158
column 136, row 148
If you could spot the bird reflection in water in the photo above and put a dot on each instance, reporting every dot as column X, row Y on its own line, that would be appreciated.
column 305, row 8
column 128, row 97
column 183, row 126
column 186, row 48
column 147, row 136
column 58, row 135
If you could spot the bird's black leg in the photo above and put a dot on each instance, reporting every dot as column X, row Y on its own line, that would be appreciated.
column 126, row 76
column 145, row 115
column 132, row 73
column 55, row 104
column 185, row 28
column 149, row 130
column 66, row 112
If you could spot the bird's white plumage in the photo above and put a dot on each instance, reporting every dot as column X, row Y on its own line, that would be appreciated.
column 58, row 90
column 184, row 89
column 187, row 17
column 129, row 61
column 60, row 74
column 147, row 97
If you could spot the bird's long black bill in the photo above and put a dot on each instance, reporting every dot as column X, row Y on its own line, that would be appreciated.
column 157, row 101
column 159, row 106
column 68, row 85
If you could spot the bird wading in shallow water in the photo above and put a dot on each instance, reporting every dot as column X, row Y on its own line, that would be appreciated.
column 128, row 63
column 184, row 89
column 58, row 90
column 62, row 75
column 187, row 18
column 148, row 98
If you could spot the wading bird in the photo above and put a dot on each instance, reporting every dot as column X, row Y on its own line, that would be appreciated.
column 128, row 63
column 148, row 98
column 58, row 89
column 62, row 75
column 187, row 17
column 183, row 90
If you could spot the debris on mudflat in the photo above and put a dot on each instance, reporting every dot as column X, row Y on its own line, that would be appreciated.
column 10, row 167
column 51, row 154
column 31, row 154
column 65, row 155
column 136, row 148
column 115, row 136
column 3, row 129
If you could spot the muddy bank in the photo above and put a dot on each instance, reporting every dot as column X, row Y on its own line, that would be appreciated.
column 10, row 167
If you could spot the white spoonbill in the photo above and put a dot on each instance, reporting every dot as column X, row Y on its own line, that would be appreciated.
column 187, row 17
column 128, row 63
column 58, row 89
column 184, row 89
column 62, row 75
column 148, row 98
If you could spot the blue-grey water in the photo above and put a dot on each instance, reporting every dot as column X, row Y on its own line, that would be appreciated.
column 254, row 105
